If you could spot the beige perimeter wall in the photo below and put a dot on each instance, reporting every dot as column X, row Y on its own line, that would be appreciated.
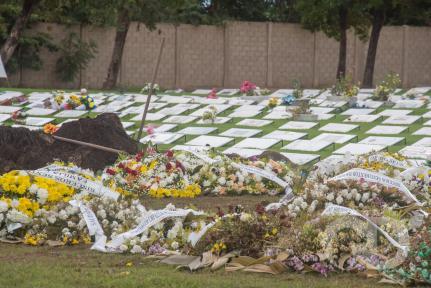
column 269, row 54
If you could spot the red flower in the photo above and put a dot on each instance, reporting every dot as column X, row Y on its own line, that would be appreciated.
column 180, row 166
column 138, row 156
column 121, row 165
column 110, row 171
column 169, row 154
column 168, row 166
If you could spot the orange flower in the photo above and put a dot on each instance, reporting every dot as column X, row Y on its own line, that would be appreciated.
column 50, row 128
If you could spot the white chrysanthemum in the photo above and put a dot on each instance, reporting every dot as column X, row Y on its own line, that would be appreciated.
column 136, row 249
column 175, row 245
column 222, row 181
column 245, row 217
column 33, row 189
column 123, row 248
column 3, row 206
column 330, row 197
column 16, row 216
column 42, row 195
column 339, row 200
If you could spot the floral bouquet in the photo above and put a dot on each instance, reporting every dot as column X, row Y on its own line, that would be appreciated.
column 388, row 86
column 248, row 88
column 344, row 87
column 272, row 103
column 157, row 175
column 146, row 89
column 210, row 114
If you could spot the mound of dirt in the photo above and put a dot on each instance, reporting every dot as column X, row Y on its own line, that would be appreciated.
column 21, row 148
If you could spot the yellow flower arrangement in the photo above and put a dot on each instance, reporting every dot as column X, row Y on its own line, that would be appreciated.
column 218, row 248
column 56, row 191
column 14, row 182
column 190, row 191
column 34, row 240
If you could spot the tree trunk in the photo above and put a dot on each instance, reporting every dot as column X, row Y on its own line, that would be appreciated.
column 341, row 70
column 378, row 20
column 120, row 39
column 12, row 41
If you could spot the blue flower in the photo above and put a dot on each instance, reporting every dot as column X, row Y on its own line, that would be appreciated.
column 288, row 99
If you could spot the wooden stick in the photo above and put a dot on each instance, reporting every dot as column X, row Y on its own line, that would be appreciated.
column 91, row 145
column 150, row 92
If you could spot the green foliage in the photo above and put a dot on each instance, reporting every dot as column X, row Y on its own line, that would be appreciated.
column 344, row 87
column 75, row 55
column 388, row 86
column 324, row 15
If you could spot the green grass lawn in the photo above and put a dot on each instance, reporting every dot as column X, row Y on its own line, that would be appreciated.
column 63, row 267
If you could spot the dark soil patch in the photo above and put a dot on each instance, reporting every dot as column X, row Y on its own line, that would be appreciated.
column 21, row 148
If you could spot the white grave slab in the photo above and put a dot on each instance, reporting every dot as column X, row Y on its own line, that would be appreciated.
column 387, row 130
column 358, row 149
column 163, row 128
column 127, row 124
column 298, row 125
column 202, row 91
column 237, row 101
column 212, row 141
column 243, row 152
column 409, row 104
column 335, row 104
column 321, row 117
column 227, row 92
column 395, row 112
column 282, row 92
column 381, row 140
column 217, row 120
column 401, row 120
column 37, row 121
column 424, row 142
column 174, row 99
column 240, row 132
column 244, row 113
column 300, row 159
column 423, row 131
column 161, row 138
column 219, row 108
column 208, row 101
column 150, row 117
column 369, row 104
column 9, row 109
column 418, row 152
column 193, row 148
column 180, row 119
column 427, row 115
column 197, row 130
column 254, row 122
column 70, row 114
column 362, row 118
column 316, row 101
column 4, row 117
column 256, row 143
column 31, row 128
column 284, row 135
column 428, row 123
column 358, row 111
column 337, row 127
column 321, row 110
column 278, row 115
column 40, row 112
column 307, row 145
column 334, row 138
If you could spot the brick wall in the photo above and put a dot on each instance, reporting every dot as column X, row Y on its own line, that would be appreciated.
column 269, row 54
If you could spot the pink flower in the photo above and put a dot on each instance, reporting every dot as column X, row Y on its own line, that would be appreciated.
column 213, row 94
column 247, row 87
column 150, row 130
